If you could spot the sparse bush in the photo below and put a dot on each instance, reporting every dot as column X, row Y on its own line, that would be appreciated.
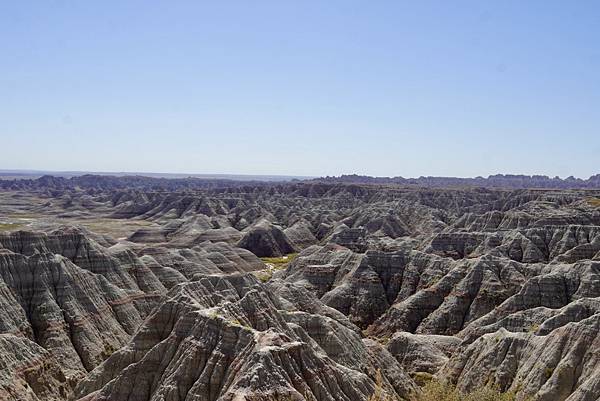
column 438, row 391
column 108, row 350
column 435, row 390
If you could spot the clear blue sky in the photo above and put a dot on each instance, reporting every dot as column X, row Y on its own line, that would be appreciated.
column 301, row 87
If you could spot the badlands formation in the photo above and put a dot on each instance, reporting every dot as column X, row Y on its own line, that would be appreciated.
column 146, row 289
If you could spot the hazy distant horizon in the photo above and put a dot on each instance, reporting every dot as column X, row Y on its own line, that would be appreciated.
column 234, row 176
column 72, row 173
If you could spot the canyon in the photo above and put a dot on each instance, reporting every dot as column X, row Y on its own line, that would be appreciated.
column 348, row 288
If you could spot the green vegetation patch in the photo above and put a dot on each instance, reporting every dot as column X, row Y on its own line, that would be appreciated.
column 10, row 226
column 279, row 263
column 274, row 264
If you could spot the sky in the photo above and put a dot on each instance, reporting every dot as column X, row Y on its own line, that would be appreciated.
column 385, row 88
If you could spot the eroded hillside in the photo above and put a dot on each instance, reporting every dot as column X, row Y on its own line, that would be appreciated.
column 297, row 291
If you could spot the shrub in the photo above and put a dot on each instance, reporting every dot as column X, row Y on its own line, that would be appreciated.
column 438, row 391
column 422, row 378
column 435, row 390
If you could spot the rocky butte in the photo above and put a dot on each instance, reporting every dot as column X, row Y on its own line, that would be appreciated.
column 344, row 288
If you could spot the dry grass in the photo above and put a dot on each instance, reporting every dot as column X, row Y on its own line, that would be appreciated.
column 594, row 202
column 264, row 275
column 437, row 391
column 434, row 390
column 10, row 226
column 274, row 264
column 281, row 262
column 379, row 394
column 26, row 216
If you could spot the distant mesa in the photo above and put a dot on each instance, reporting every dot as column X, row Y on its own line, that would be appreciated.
column 16, row 179
column 492, row 181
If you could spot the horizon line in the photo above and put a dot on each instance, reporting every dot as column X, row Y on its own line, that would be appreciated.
column 73, row 173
